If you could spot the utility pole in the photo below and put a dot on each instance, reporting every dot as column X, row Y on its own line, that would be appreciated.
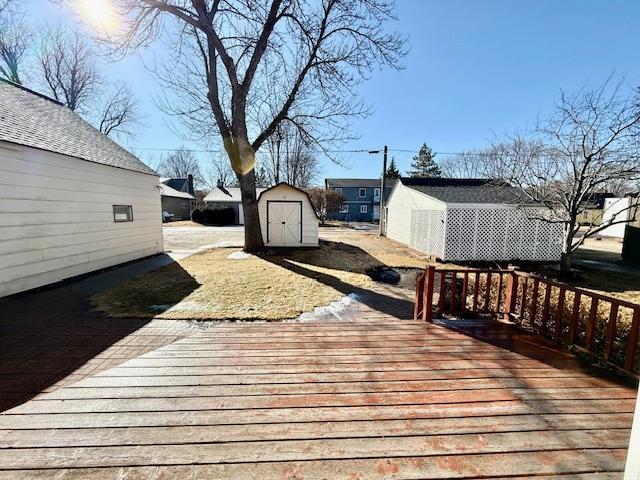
column 383, row 184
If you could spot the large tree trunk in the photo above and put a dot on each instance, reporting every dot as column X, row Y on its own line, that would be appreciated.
column 565, row 257
column 565, row 265
column 252, row 233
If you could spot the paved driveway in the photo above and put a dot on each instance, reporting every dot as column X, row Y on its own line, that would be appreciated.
column 180, row 242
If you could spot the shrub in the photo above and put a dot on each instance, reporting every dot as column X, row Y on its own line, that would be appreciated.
column 214, row 216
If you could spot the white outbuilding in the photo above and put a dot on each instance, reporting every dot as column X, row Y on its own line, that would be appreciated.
column 72, row 201
column 470, row 220
column 287, row 217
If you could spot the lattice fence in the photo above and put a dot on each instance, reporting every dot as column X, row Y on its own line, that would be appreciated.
column 427, row 231
column 499, row 234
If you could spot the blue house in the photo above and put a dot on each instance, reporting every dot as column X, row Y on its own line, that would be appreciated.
column 362, row 198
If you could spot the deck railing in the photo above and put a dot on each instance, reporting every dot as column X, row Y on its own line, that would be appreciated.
column 599, row 325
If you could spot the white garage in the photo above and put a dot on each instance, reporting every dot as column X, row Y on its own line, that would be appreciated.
column 470, row 220
column 72, row 201
column 287, row 217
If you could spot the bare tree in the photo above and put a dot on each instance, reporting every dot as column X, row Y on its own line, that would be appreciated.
column 221, row 172
column 469, row 164
column 325, row 201
column 119, row 112
column 263, row 63
column 290, row 158
column 591, row 141
column 180, row 164
column 14, row 40
column 68, row 67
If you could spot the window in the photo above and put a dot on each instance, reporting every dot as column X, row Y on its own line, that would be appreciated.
column 338, row 189
column 362, row 192
column 344, row 208
column 363, row 209
column 376, row 192
column 122, row 213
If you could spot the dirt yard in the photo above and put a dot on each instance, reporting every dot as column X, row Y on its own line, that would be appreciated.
column 224, row 283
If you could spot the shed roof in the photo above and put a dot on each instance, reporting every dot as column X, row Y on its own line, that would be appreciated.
column 34, row 120
column 467, row 190
column 285, row 184
column 167, row 191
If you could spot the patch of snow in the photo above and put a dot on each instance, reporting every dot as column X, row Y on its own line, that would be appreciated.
column 334, row 312
column 184, row 306
column 240, row 255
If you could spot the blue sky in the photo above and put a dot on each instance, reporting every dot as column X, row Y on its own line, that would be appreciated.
column 475, row 67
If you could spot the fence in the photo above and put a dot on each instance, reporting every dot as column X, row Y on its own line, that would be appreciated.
column 596, row 324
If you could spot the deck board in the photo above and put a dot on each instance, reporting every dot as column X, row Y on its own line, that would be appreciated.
column 376, row 399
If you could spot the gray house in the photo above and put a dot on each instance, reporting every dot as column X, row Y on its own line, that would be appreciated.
column 176, row 204
column 362, row 198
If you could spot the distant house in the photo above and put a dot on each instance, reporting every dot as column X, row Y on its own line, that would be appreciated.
column 73, row 201
column 470, row 220
column 223, row 197
column 593, row 208
column 362, row 198
column 178, row 198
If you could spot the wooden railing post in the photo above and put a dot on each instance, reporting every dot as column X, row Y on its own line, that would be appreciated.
column 512, row 292
column 427, row 311
column 418, row 305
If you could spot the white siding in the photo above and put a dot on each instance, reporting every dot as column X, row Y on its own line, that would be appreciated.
column 309, row 219
column 615, row 210
column 401, row 204
column 56, row 217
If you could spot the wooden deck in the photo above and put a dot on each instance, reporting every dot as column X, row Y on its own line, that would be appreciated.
column 378, row 398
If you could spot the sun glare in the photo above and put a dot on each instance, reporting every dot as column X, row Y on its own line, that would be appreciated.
column 101, row 15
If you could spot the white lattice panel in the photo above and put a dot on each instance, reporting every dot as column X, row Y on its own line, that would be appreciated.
column 458, row 243
column 427, row 231
column 499, row 234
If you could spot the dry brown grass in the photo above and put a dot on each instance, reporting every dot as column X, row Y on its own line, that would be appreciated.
column 182, row 223
column 271, row 286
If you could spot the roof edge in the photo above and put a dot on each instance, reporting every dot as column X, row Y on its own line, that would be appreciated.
column 33, row 92
column 295, row 188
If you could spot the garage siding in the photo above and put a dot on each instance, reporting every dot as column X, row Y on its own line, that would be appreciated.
column 56, row 217
column 402, row 203
column 309, row 219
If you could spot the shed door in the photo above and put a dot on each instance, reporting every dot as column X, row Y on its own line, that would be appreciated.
column 284, row 224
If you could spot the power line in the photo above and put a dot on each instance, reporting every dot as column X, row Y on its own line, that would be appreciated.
column 362, row 150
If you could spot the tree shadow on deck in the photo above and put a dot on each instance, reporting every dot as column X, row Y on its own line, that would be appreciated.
column 54, row 334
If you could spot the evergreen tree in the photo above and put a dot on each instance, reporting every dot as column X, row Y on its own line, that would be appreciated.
column 424, row 164
column 392, row 171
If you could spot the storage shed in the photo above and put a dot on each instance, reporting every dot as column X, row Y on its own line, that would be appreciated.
column 71, row 200
column 287, row 217
column 470, row 220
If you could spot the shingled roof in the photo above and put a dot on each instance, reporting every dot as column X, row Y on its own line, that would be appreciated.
column 34, row 120
column 467, row 190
